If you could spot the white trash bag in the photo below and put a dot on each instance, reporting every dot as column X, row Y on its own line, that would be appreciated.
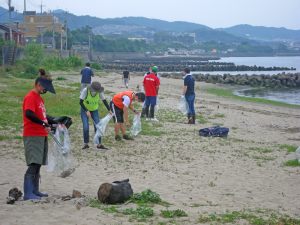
column 143, row 89
column 60, row 159
column 101, row 126
column 136, row 125
column 297, row 154
column 183, row 106
column 157, row 106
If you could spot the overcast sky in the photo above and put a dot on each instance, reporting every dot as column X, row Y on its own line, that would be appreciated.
column 212, row 13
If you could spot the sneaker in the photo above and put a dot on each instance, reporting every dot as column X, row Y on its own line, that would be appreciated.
column 85, row 147
column 118, row 138
column 125, row 136
column 101, row 147
column 147, row 118
column 154, row 119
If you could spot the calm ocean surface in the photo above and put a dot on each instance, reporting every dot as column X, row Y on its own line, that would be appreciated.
column 287, row 95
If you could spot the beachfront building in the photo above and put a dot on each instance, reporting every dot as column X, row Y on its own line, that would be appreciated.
column 17, row 36
column 33, row 24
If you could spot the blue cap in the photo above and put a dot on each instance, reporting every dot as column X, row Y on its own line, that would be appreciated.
column 46, row 84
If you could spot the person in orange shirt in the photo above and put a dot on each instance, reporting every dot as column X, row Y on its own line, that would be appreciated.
column 119, row 105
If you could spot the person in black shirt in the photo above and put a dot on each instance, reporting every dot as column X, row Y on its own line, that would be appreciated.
column 126, row 77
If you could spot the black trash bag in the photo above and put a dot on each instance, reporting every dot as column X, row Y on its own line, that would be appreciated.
column 65, row 120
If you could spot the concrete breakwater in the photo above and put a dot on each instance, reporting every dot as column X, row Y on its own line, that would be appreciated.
column 193, row 65
column 279, row 80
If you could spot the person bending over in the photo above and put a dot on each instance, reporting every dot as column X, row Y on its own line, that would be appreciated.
column 119, row 105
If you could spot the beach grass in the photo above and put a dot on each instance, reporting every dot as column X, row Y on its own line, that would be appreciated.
column 227, row 93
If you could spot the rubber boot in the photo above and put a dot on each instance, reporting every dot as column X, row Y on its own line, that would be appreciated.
column 190, row 118
column 194, row 119
column 28, row 187
column 36, row 187
column 143, row 113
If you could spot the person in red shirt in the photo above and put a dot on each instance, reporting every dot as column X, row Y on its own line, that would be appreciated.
column 36, row 128
column 151, row 83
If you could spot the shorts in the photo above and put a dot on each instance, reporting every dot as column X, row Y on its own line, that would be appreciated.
column 118, row 113
column 150, row 100
column 36, row 149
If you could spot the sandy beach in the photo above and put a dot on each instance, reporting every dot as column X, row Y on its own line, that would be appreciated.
column 199, row 175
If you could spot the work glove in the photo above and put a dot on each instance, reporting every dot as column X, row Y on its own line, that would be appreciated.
column 182, row 97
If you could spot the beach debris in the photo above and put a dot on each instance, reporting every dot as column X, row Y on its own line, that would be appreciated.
column 297, row 154
column 14, row 195
column 76, row 194
column 67, row 173
column 115, row 192
column 62, row 197
column 81, row 202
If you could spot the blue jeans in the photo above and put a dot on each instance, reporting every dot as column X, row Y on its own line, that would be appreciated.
column 190, row 100
column 85, row 122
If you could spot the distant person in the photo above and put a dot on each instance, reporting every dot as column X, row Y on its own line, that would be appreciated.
column 156, row 74
column 189, row 94
column 119, row 106
column 126, row 77
column 87, row 73
column 151, row 84
column 89, row 102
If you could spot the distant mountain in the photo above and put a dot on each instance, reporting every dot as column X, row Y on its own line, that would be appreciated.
column 4, row 16
column 271, row 33
column 177, row 26
column 210, row 34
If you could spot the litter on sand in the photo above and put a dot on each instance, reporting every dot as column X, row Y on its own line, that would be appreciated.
column 297, row 154
column 101, row 126
column 183, row 107
column 60, row 156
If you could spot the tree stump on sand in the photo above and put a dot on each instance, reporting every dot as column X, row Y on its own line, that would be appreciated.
column 116, row 192
column 14, row 195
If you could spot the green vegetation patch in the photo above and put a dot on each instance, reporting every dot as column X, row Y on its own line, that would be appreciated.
column 293, row 162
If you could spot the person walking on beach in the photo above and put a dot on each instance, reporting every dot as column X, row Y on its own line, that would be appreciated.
column 151, row 84
column 89, row 99
column 156, row 74
column 119, row 106
column 126, row 77
column 35, row 134
column 87, row 73
column 189, row 94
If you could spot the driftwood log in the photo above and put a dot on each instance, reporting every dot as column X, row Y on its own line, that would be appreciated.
column 116, row 192
column 14, row 195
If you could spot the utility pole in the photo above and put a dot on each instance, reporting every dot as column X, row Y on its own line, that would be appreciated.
column 53, row 44
column 9, row 9
column 24, row 16
column 66, row 26
column 42, row 23
column 90, row 32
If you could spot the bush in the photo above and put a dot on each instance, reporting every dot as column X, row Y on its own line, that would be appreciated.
column 8, row 69
column 31, row 69
column 96, row 66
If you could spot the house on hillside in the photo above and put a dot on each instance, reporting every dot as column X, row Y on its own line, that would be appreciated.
column 17, row 36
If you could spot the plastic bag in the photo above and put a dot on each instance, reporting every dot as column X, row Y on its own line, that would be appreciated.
column 101, row 126
column 143, row 89
column 59, row 158
column 297, row 154
column 183, row 107
column 157, row 106
column 136, row 125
